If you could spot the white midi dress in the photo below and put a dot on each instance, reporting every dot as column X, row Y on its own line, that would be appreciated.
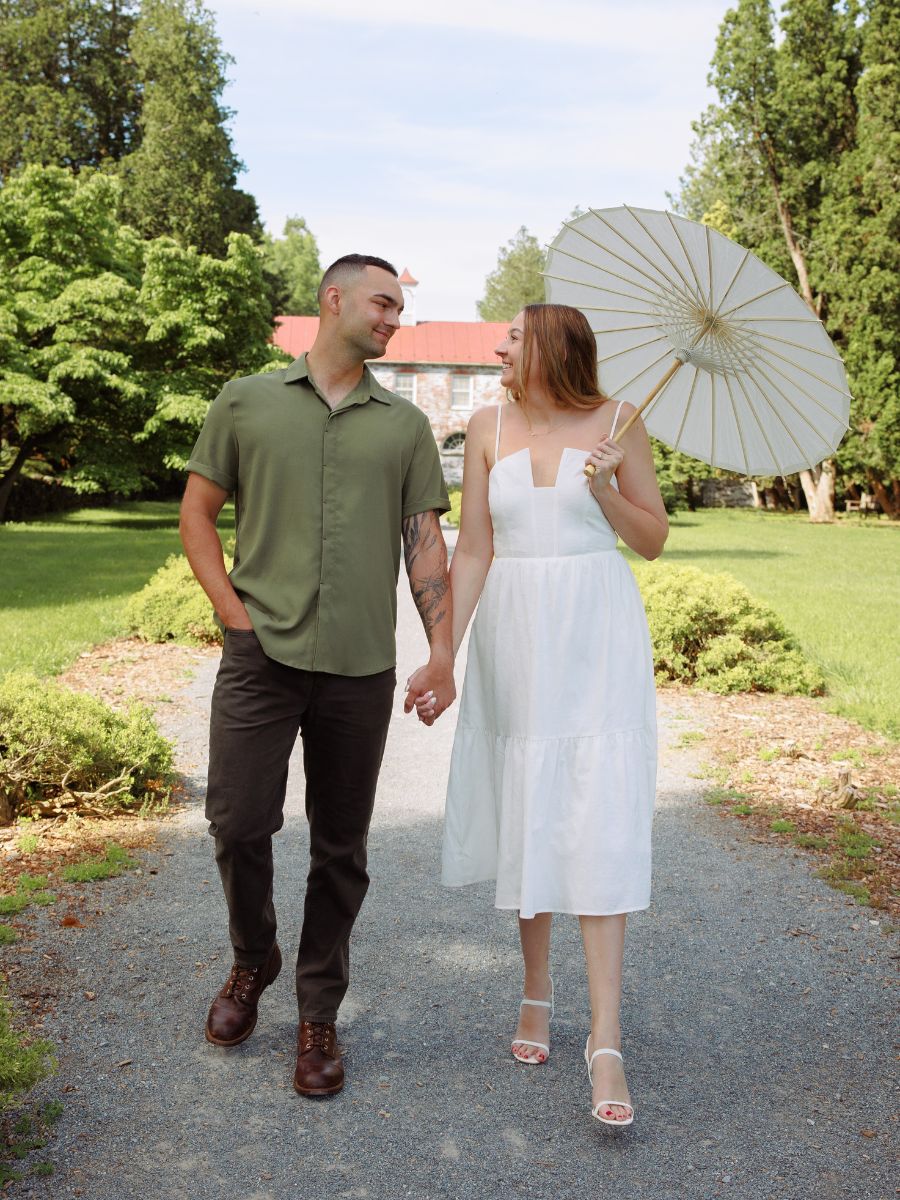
column 553, row 770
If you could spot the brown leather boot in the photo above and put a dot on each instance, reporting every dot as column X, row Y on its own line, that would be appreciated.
column 232, row 1017
column 320, row 1070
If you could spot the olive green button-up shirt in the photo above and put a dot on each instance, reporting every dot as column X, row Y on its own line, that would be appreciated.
column 320, row 496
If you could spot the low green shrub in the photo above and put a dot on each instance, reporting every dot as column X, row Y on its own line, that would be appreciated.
column 172, row 607
column 708, row 630
column 63, row 750
column 452, row 517
column 22, row 1062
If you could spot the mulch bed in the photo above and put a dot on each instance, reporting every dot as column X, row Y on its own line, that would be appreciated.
column 787, row 757
column 128, row 669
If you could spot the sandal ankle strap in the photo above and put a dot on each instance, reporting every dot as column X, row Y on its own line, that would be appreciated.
column 607, row 1050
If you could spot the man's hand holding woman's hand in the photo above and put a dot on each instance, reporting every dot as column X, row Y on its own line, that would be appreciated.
column 430, row 690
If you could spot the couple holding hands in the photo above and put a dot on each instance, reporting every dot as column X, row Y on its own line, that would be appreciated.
column 552, row 774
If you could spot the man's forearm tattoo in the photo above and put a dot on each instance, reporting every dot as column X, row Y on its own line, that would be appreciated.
column 426, row 565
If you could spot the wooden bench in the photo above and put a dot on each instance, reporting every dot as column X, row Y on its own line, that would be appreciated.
column 864, row 505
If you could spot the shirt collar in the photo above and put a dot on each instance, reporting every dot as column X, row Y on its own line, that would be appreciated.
column 368, row 386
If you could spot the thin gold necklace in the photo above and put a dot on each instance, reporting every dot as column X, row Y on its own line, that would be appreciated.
column 542, row 432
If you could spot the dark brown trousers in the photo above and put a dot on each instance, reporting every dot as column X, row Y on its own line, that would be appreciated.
column 258, row 707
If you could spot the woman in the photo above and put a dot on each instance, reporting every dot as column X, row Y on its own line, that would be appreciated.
column 553, row 770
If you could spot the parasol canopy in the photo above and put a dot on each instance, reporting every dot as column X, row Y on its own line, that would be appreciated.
column 733, row 366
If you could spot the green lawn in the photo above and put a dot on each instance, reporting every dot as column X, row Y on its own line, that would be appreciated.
column 836, row 587
column 65, row 580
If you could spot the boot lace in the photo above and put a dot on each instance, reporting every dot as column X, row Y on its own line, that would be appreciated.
column 240, row 980
column 315, row 1035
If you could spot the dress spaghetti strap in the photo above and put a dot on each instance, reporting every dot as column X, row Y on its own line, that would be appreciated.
column 497, row 442
column 612, row 432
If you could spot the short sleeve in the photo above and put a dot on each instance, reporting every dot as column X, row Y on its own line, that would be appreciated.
column 215, row 454
column 423, row 485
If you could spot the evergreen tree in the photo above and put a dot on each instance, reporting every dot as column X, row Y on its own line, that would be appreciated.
column 859, row 262
column 767, row 150
column 68, row 87
column 515, row 281
column 182, row 178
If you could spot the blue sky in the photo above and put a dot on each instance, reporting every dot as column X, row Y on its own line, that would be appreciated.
column 429, row 132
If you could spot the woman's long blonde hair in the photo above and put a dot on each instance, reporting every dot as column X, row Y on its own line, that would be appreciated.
column 560, row 339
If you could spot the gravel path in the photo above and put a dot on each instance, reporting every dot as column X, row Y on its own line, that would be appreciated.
column 757, row 1023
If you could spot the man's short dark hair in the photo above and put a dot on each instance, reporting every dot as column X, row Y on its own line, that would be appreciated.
column 344, row 269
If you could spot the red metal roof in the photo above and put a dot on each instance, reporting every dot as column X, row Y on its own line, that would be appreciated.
column 407, row 278
column 458, row 342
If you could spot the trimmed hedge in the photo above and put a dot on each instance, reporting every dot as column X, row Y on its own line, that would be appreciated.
column 709, row 631
column 172, row 607
column 56, row 743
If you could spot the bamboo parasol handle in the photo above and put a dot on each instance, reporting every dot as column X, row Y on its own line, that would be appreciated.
column 589, row 469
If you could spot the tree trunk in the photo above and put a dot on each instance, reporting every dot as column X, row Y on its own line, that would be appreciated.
column 9, row 479
column 882, row 495
column 817, row 484
column 779, row 495
column 818, row 488
column 691, row 494
column 798, row 258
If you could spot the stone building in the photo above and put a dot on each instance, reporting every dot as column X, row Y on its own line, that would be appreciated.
column 447, row 368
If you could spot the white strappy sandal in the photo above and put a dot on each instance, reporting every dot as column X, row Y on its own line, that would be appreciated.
column 537, row 1045
column 595, row 1110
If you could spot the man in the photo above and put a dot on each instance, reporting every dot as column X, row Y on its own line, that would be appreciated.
column 328, row 470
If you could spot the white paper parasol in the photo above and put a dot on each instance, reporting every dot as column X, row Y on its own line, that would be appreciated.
column 732, row 365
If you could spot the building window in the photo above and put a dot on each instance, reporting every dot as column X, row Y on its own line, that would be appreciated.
column 454, row 444
column 405, row 385
column 462, row 393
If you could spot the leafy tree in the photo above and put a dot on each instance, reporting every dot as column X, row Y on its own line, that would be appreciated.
column 207, row 321
column 678, row 476
column 69, row 91
column 111, row 347
column 69, row 319
column 292, row 262
column 181, row 180
column 515, row 281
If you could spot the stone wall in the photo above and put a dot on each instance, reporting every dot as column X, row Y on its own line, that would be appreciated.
column 729, row 493
column 434, row 395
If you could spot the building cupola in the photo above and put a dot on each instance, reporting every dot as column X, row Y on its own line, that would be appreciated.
column 408, row 286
